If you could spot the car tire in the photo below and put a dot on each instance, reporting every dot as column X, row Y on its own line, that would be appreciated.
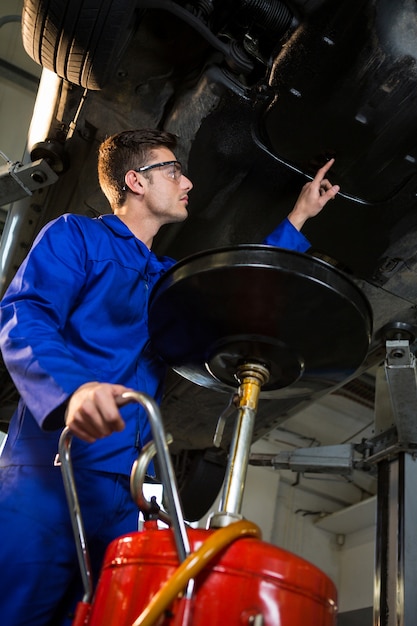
column 81, row 41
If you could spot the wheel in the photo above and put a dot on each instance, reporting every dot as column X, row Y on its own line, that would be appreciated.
column 82, row 40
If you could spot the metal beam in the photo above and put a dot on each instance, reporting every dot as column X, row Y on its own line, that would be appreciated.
column 395, row 598
column 336, row 459
column 18, row 76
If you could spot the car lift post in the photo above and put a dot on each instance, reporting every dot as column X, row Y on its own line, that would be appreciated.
column 394, row 452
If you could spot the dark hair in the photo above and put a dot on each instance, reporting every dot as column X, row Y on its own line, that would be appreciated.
column 127, row 150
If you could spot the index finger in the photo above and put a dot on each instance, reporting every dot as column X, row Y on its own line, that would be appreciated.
column 121, row 399
column 324, row 169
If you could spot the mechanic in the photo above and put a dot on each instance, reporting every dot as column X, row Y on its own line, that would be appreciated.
column 74, row 338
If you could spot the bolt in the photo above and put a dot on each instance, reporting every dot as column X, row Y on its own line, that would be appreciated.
column 397, row 353
column 38, row 177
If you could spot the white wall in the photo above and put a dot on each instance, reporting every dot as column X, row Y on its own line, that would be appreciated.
column 357, row 570
column 294, row 529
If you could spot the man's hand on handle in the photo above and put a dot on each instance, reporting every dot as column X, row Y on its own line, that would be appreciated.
column 93, row 411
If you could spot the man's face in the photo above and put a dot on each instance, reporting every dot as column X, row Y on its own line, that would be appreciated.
column 166, row 189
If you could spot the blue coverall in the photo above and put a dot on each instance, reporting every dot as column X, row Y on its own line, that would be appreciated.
column 75, row 312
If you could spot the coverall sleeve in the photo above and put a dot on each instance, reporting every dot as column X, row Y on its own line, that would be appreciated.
column 287, row 236
column 32, row 315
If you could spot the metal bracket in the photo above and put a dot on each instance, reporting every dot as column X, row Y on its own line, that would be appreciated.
column 337, row 459
column 400, row 367
column 19, row 181
column 395, row 405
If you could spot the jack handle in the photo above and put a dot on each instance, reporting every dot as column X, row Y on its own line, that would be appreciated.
column 168, row 480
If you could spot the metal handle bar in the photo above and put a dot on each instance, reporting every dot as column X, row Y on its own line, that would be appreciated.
column 64, row 449
column 168, row 481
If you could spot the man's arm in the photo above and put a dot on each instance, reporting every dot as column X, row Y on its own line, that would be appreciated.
column 313, row 197
column 51, row 381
